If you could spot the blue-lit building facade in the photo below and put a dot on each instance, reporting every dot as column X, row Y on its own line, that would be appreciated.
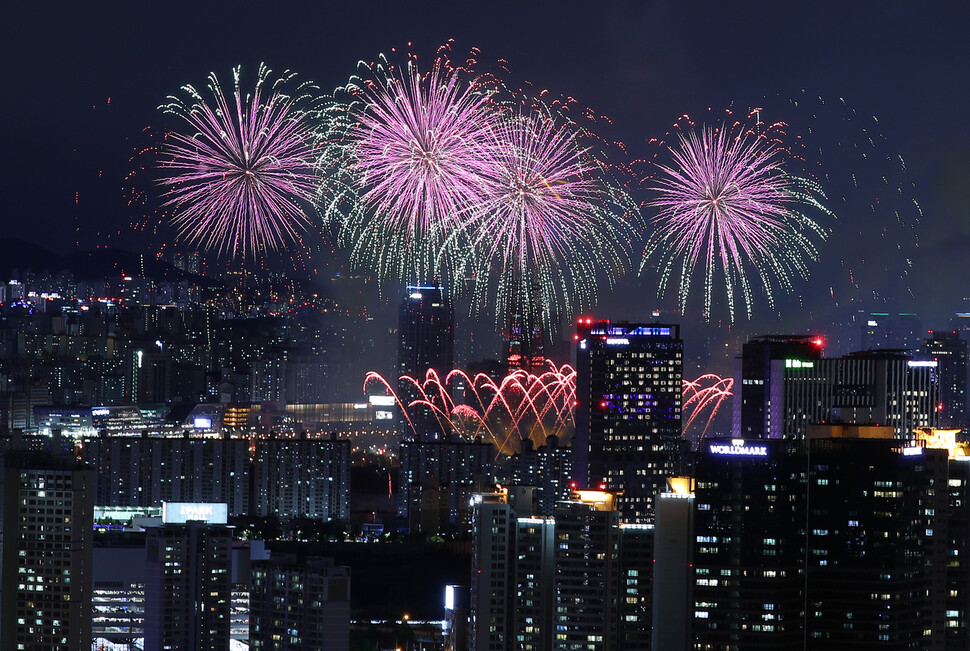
column 628, row 411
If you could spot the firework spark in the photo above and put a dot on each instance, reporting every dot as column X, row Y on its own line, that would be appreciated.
column 241, row 171
column 728, row 206
column 706, row 394
column 521, row 405
column 554, row 222
column 408, row 148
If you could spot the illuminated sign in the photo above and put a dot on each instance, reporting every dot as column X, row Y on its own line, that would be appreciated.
column 797, row 363
column 914, row 363
column 617, row 341
column 739, row 448
column 449, row 597
column 872, row 324
column 100, row 411
column 416, row 295
column 381, row 401
column 360, row 405
column 202, row 422
column 182, row 512
column 912, row 451
column 383, row 415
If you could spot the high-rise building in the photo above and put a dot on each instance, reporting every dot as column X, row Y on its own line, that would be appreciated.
column 870, row 556
column 549, row 583
column 840, row 541
column 548, row 468
column 673, row 558
column 587, row 572
column 956, row 605
column 881, row 387
column 46, row 527
column 746, row 558
column 629, row 386
column 299, row 602
column 188, row 581
column 882, row 330
column 436, row 480
column 426, row 340
column 949, row 350
column 304, row 477
column 759, row 382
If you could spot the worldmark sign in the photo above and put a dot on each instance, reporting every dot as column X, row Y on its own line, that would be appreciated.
column 739, row 448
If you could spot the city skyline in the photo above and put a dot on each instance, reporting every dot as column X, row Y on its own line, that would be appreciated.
column 640, row 66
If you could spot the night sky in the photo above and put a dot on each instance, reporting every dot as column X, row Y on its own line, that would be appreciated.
column 644, row 64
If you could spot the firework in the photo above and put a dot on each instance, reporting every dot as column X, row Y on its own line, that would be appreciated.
column 238, row 174
column 728, row 206
column 407, row 150
column 522, row 405
column 554, row 222
column 706, row 394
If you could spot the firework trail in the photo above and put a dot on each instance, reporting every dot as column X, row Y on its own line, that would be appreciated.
column 877, row 249
column 707, row 393
column 407, row 156
column 521, row 405
column 239, row 173
column 728, row 206
column 554, row 223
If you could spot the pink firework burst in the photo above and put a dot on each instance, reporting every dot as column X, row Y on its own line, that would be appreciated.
column 554, row 221
column 728, row 206
column 413, row 151
column 240, row 173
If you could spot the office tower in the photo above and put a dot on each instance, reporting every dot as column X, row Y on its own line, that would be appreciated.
column 426, row 340
column 883, row 331
column 46, row 525
column 548, row 468
column 840, row 541
column 299, row 602
column 188, row 580
column 747, row 547
column 869, row 544
column 759, row 382
column 628, row 415
column 881, row 387
column 949, row 350
column 436, row 480
column 673, row 574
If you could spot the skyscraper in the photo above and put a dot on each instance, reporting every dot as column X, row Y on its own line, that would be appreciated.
column 426, row 340
column 299, row 602
column 46, row 526
column 188, row 580
column 949, row 350
column 786, row 387
column 759, row 382
column 628, row 414
column 746, row 560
